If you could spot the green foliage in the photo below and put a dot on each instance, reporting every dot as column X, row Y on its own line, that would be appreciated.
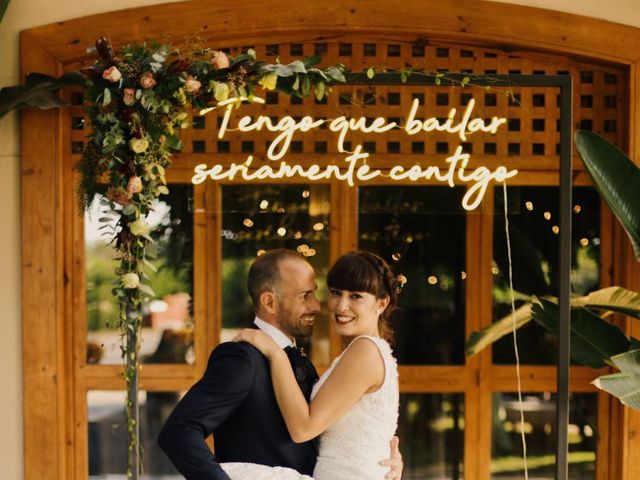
column 593, row 338
column 617, row 179
column 3, row 8
column 624, row 385
column 39, row 91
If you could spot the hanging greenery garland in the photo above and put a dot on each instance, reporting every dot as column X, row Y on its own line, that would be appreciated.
column 137, row 101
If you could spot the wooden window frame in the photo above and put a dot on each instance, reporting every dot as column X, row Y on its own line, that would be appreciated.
column 50, row 272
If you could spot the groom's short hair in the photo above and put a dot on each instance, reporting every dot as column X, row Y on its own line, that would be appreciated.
column 264, row 273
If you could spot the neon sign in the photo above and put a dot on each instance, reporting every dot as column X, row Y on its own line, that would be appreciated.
column 356, row 167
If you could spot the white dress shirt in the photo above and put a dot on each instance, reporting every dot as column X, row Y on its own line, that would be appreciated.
column 280, row 338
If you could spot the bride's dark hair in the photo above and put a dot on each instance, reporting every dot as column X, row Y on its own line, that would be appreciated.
column 367, row 272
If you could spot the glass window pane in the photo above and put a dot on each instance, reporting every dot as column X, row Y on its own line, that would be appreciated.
column 108, row 434
column 167, row 330
column 533, row 230
column 265, row 217
column 431, row 431
column 540, row 434
column 421, row 232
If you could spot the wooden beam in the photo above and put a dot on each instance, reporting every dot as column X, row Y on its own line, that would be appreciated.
column 42, row 281
column 243, row 23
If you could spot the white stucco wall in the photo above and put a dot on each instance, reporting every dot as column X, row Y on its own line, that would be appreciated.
column 23, row 14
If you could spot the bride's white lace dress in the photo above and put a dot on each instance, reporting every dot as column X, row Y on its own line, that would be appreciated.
column 353, row 447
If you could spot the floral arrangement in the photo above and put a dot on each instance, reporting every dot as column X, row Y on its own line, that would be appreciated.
column 137, row 101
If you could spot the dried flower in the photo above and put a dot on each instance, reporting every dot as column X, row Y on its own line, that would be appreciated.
column 119, row 195
column 112, row 74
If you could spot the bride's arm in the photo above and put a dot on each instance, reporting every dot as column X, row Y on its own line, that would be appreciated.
column 360, row 369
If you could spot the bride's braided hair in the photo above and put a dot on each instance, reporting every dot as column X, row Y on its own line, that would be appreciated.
column 367, row 272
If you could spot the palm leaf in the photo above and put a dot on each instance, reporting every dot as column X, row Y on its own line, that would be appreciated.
column 40, row 91
column 624, row 385
column 611, row 299
column 480, row 340
column 3, row 8
column 593, row 340
column 617, row 179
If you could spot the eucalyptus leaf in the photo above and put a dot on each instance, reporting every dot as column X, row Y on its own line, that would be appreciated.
column 336, row 73
column 106, row 97
column 320, row 90
column 312, row 61
column 297, row 66
column 146, row 289
column 617, row 179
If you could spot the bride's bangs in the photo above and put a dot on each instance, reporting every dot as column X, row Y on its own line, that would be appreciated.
column 354, row 273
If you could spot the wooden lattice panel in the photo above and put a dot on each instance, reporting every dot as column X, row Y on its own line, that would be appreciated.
column 529, row 140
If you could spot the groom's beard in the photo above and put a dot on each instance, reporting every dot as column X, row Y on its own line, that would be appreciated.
column 297, row 326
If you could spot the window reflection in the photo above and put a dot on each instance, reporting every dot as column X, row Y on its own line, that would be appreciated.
column 540, row 434
column 264, row 217
column 533, row 230
column 167, row 330
column 108, row 434
column 421, row 232
column 431, row 431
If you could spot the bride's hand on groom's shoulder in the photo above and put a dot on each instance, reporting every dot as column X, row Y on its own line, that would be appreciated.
column 260, row 340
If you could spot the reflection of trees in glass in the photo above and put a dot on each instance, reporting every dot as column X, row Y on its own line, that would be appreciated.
column 174, row 249
column 533, row 231
column 102, row 308
column 265, row 217
column 421, row 232
column 236, row 304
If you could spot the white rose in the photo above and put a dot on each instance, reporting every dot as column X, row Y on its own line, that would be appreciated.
column 130, row 280
column 139, row 145
column 139, row 227
column 221, row 91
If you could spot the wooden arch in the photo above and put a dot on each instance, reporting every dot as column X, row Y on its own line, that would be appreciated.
column 48, row 365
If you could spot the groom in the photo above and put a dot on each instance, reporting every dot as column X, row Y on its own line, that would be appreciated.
column 235, row 401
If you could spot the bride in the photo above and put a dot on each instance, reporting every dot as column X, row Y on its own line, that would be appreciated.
column 354, row 405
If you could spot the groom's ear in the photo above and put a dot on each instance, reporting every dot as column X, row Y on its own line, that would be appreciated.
column 268, row 302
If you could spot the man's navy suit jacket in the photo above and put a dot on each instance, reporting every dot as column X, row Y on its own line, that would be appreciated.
column 235, row 401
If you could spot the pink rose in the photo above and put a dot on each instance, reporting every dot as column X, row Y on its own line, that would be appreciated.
column 147, row 80
column 220, row 59
column 135, row 185
column 192, row 85
column 112, row 74
column 129, row 96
